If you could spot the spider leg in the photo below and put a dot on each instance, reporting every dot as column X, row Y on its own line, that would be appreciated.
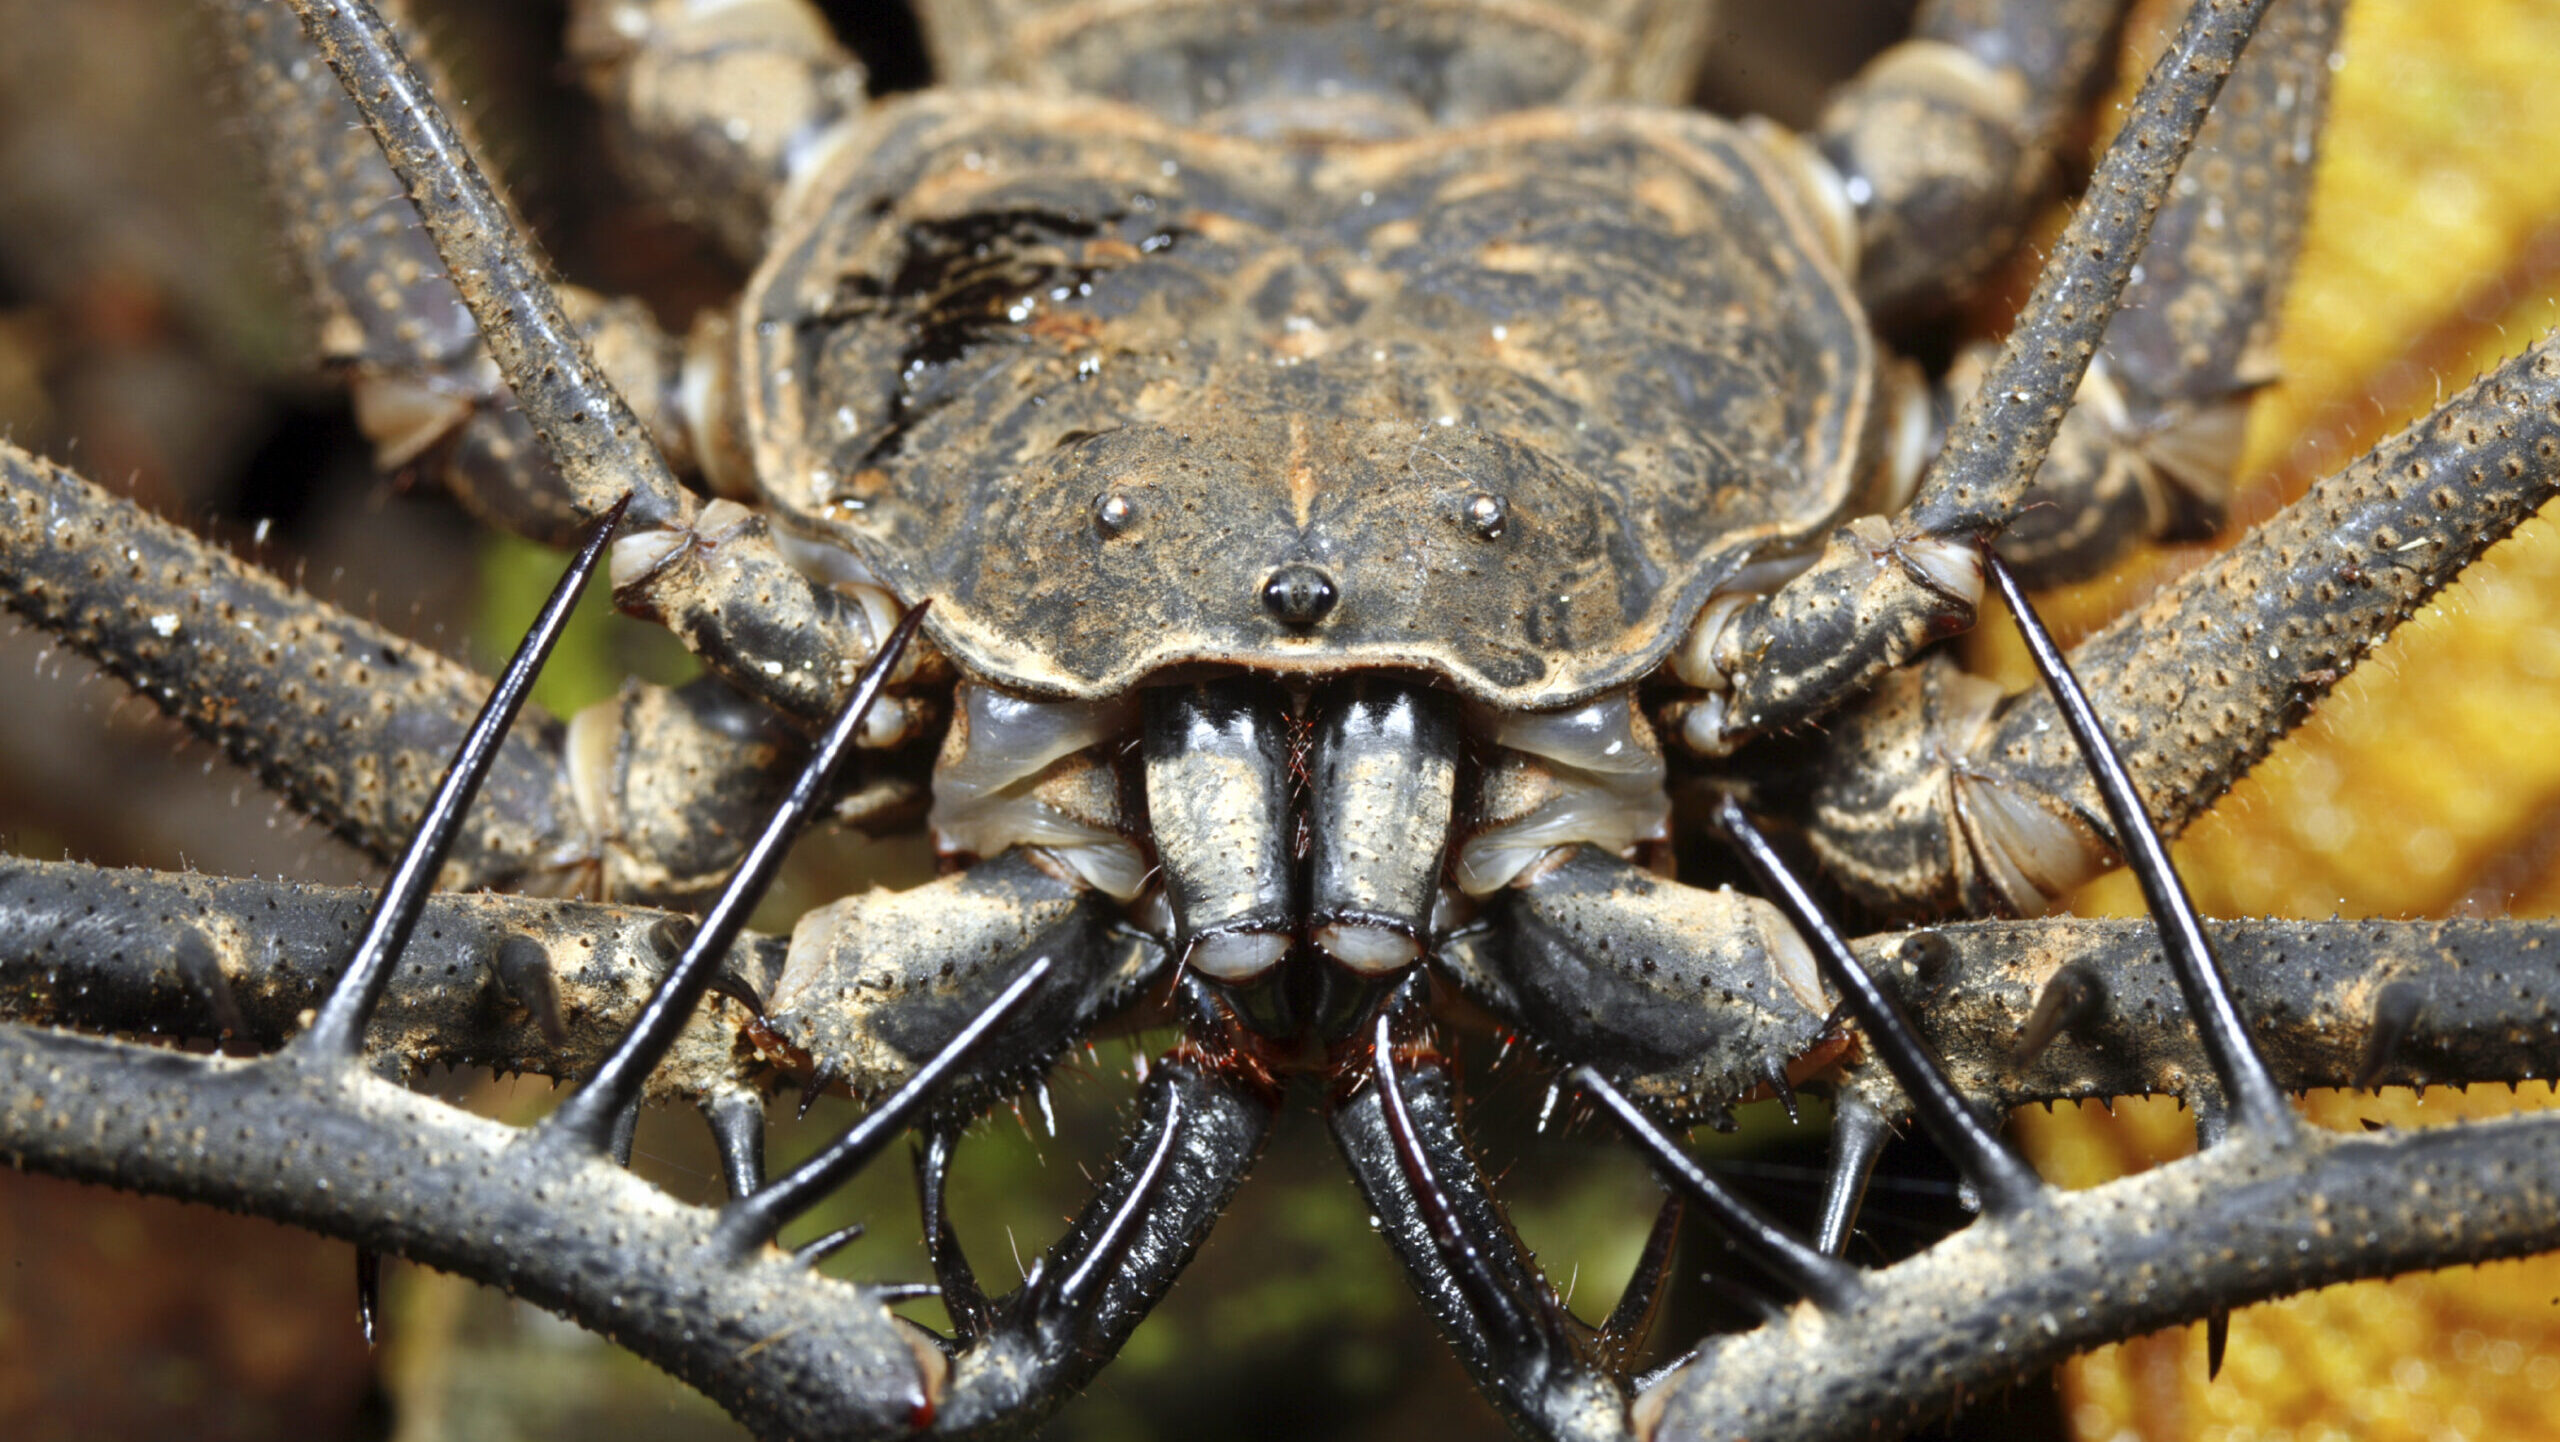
column 91, row 949
column 103, row 951
column 652, row 789
column 336, row 1032
column 586, row 427
column 2153, row 435
column 569, row 442
column 647, row 796
column 389, row 320
column 1883, row 588
column 716, row 108
column 108, row 951
column 313, row 1119
column 331, row 712
column 1942, row 142
column 2250, row 1134
column 2014, row 1293
column 1206, row 1116
column 1966, row 801
column 2248, row 1090
column 2314, row 993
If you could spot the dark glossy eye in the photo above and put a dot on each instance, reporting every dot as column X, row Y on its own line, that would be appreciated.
column 1299, row 594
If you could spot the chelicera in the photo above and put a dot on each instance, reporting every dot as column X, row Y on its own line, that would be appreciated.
column 1326, row 512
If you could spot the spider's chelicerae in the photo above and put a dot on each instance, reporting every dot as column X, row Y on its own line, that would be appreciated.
column 1381, row 500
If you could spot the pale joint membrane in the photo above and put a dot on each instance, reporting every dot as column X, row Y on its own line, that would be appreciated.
column 1238, row 956
column 2029, row 853
column 1596, row 773
column 1363, row 950
column 840, row 570
column 991, row 788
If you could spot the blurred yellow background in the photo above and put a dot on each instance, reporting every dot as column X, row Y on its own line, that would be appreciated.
column 2430, row 783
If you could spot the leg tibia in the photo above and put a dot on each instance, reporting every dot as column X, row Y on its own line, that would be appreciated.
column 347, row 721
column 2311, row 991
column 389, row 318
column 1905, row 587
column 2197, row 322
column 2201, row 680
column 514, row 984
column 2156, row 431
column 648, row 797
column 378, row 290
column 459, row 424
column 2124, row 470
column 610, row 421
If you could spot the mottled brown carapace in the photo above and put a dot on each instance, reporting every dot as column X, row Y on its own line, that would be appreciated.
column 1525, row 391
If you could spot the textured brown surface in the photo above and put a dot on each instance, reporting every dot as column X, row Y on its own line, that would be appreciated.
column 710, row 105
column 1615, row 49
column 1009, row 310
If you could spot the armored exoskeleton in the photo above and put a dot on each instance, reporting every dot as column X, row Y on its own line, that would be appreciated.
column 1286, row 494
